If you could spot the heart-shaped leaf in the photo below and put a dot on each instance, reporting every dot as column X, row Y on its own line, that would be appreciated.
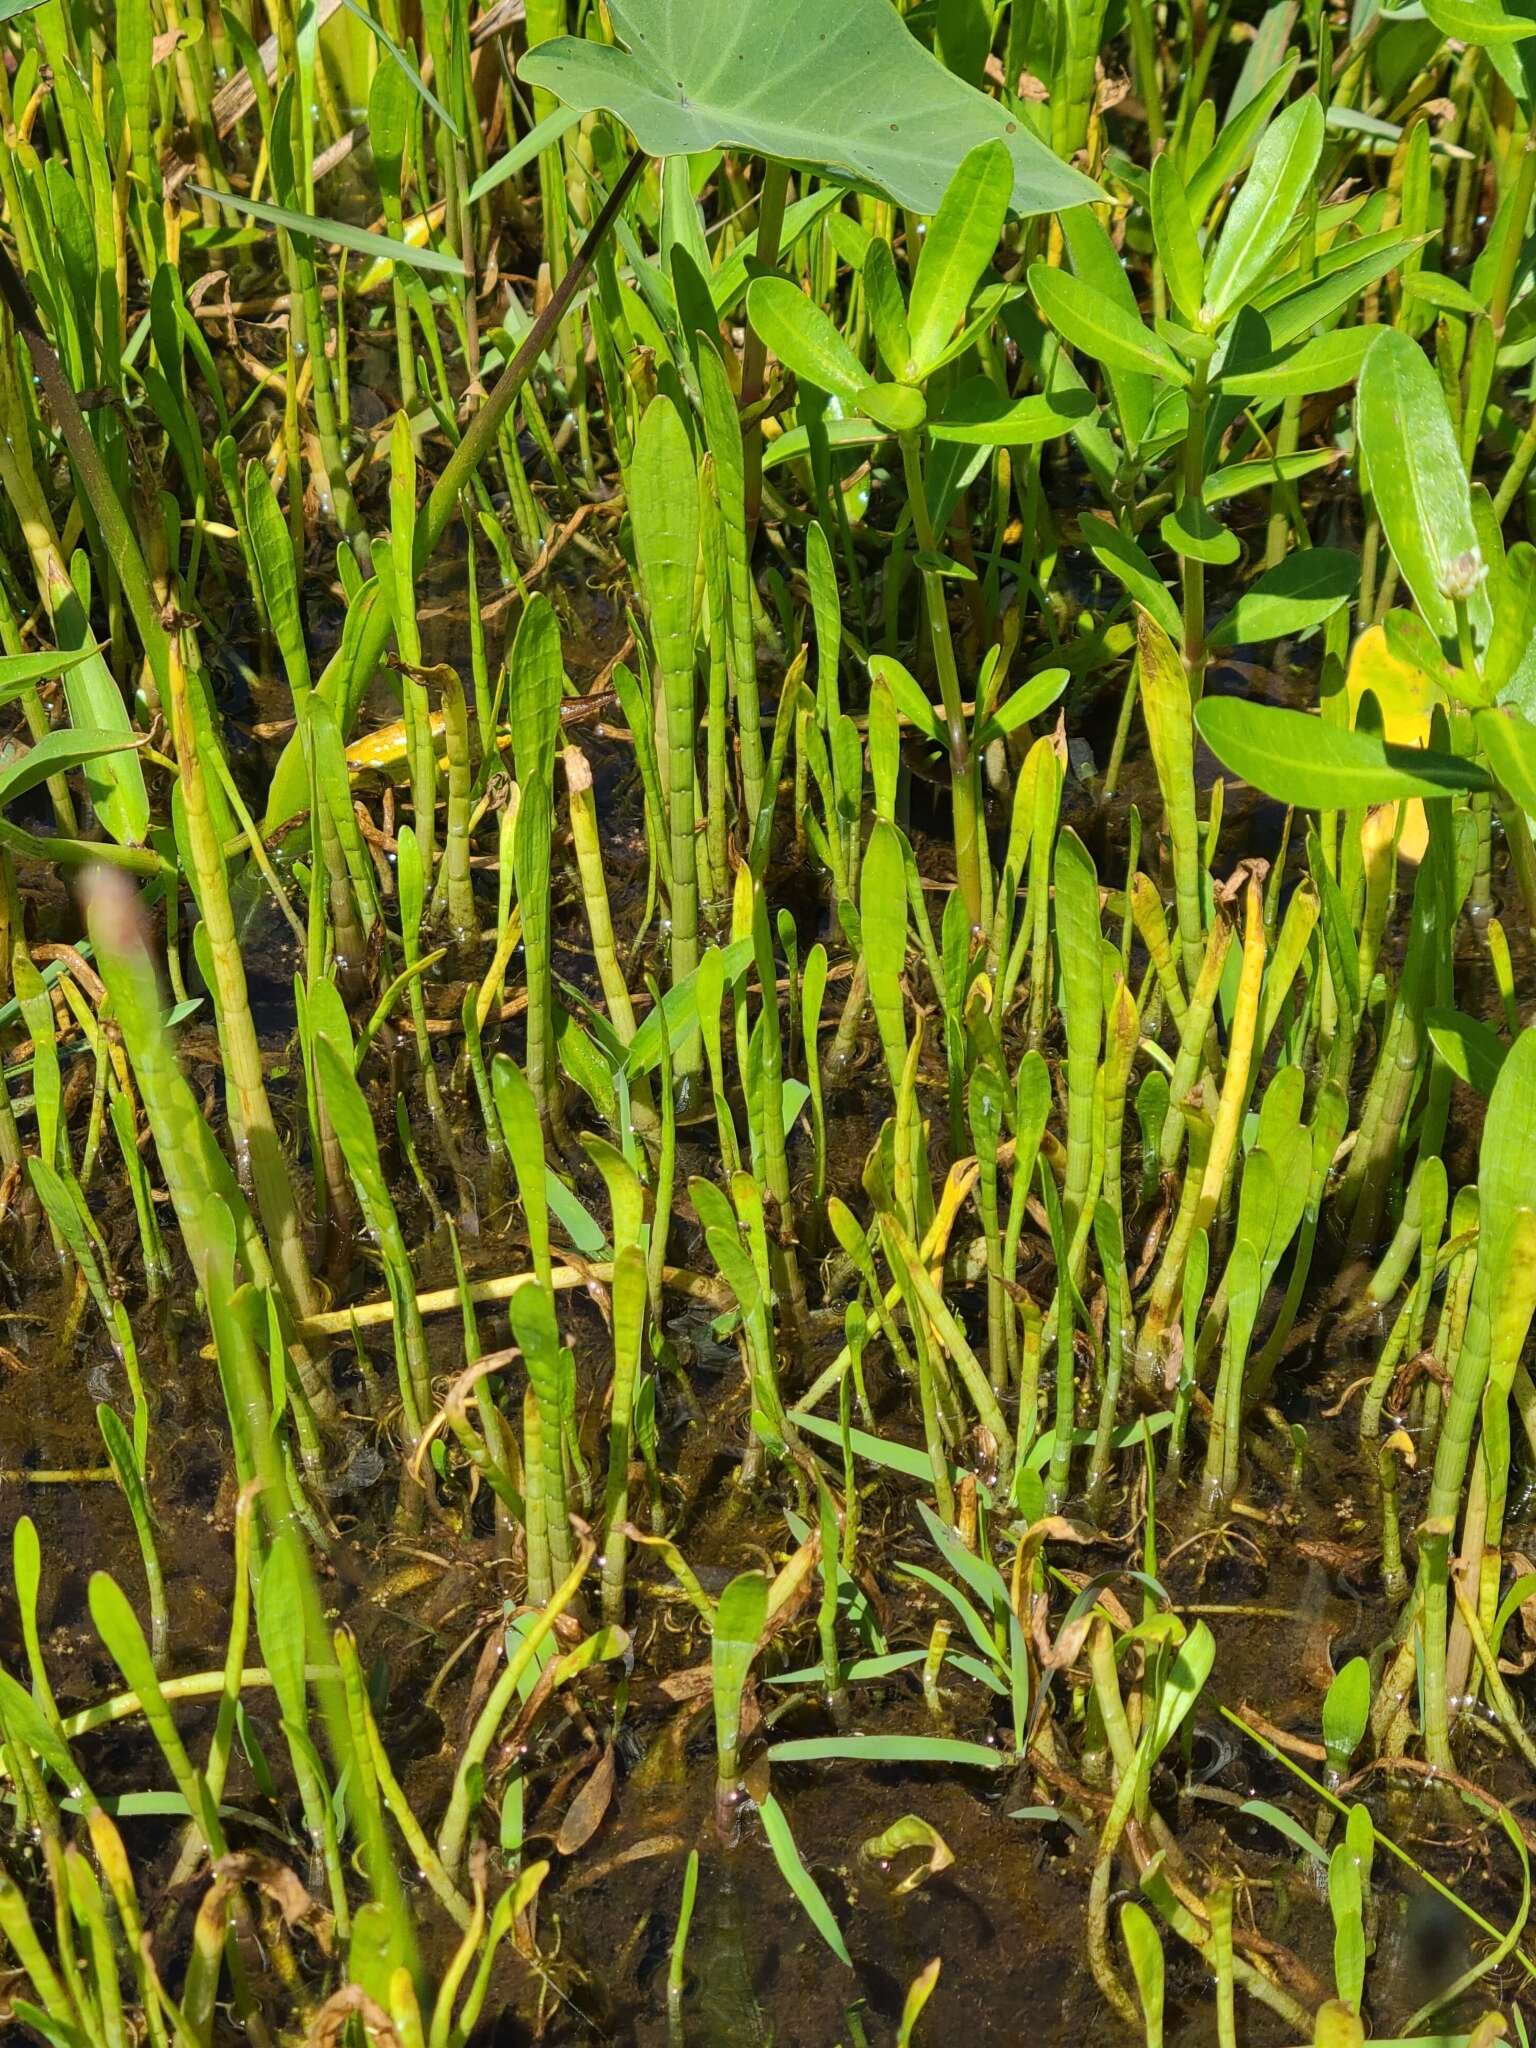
column 846, row 90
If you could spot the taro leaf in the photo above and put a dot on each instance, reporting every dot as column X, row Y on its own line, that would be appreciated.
column 1473, row 1052
column 1301, row 591
column 1417, row 480
column 847, row 91
column 1297, row 759
column 1283, row 168
column 383, row 248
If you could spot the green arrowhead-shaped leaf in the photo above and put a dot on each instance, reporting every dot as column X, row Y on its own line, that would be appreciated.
column 846, row 90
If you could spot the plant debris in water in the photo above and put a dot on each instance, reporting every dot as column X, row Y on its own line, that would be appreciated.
column 768, row 1132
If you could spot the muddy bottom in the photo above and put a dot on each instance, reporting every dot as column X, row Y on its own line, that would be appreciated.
column 1289, row 1584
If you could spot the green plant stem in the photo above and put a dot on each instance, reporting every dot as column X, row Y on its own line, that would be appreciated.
column 1192, row 571
column 481, row 433
column 962, row 767
column 237, row 1028
column 754, row 354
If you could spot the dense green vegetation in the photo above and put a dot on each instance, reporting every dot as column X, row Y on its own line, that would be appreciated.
column 766, row 892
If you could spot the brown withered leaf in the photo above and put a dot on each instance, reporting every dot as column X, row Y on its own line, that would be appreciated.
column 585, row 1814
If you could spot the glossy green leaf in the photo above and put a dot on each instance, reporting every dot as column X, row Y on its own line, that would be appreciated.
column 1346, row 1713
column 20, row 672
column 1298, row 759
column 1328, row 362
column 883, row 932
column 1178, row 245
column 889, row 1749
column 800, row 334
column 850, row 92
column 1283, row 167
column 1300, row 592
column 1508, row 740
column 1479, row 22
column 1471, row 1050
column 1128, row 562
column 1417, row 480
column 1284, row 1824
column 382, row 248
column 1031, row 698
column 978, row 415
column 799, row 1879
column 1144, row 1946
column 959, row 244
column 887, row 307
column 1099, row 327
column 55, row 754
column 740, row 1614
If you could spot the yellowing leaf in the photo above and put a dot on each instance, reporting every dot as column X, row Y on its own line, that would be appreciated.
column 1407, row 695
